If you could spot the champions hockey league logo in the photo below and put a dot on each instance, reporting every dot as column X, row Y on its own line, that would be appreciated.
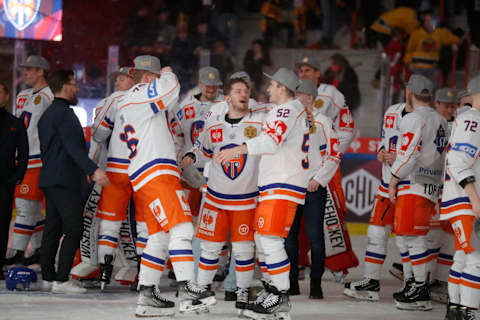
column 21, row 13
column 234, row 167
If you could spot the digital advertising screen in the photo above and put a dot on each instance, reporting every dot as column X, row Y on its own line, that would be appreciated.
column 31, row 19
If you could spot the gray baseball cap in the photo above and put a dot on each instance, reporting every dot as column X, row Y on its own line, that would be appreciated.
column 209, row 76
column 307, row 87
column 474, row 85
column 309, row 61
column 36, row 62
column 285, row 77
column 125, row 71
column 447, row 95
column 420, row 85
column 147, row 63
column 242, row 75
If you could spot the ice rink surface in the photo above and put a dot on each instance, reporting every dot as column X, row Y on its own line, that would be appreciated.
column 118, row 302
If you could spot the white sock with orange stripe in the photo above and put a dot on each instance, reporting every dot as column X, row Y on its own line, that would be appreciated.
column 376, row 250
column 153, row 258
column 243, row 251
column 261, row 259
column 459, row 263
column 277, row 261
column 108, row 233
column 470, row 282
column 208, row 263
column 142, row 237
column 419, row 256
column 180, row 251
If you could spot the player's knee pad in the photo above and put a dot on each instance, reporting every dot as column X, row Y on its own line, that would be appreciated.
column 433, row 238
column 28, row 211
column 472, row 263
column 110, row 228
column 157, row 244
column 378, row 236
column 271, row 244
column 416, row 244
column 401, row 244
column 243, row 249
column 182, row 233
column 210, row 249
column 459, row 261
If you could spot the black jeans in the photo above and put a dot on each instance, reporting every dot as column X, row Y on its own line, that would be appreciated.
column 64, row 216
column 313, row 211
column 6, row 203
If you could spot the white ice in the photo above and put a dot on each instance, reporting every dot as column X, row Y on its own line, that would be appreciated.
column 118, row 302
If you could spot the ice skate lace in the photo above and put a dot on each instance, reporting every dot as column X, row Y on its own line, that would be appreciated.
column 242, row 294
column 192, row 287
column 361, row 283
column 270, row 300
column 261, row 296
column 156, row 294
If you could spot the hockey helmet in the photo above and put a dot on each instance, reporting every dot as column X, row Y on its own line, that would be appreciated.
column 20, row 278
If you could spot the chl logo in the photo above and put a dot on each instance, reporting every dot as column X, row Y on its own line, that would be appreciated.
column 21, row 13
column 360, row 190
column 234, row 167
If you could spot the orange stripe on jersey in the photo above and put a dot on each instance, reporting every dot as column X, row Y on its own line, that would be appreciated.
column 453, row 280
column 117, row 166
column 156, row 167
column 460, row 206
column 46, row 96
column 29, row 233
column 282, row 192
column 152, row 265
column 368, row 259
column 244, row 269
column 207, row 267
column 153, row 100
column 331, row 99
column 181, row 259
column 465, row 282
column 140, row 245
column 215, row 125
column 35, row 161
column 420, row 261
column 445, row 262
column 280, row 270
column 300, row 114
column 107, row 243
column 231, row 202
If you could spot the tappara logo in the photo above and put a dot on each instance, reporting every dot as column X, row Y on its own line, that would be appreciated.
column 346, row 120
column 196, row 130
column 190, row 112
column 389, row 121
column 21, row 13
column 406, row 140
column 234, row 167
column 216, row 135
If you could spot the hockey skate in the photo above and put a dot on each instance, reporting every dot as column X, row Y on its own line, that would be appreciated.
column 194, row 298
column 452, row 311
column 151, row 304
column 33, row 259
column 397, row 270
column 241, row 302
column 276, row 306
column 106, row 270
column 261, row 295
column 366, row 289
column 439, row 291
column 417, row 298
column 15, row 257
column 465, row 313
column 406, row 287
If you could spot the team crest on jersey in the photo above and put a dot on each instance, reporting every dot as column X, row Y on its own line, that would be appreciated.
column 440, row 139
column 392, row 144
column 234, row 167
column 196, row 130
column 318, row 103
column 190, row 112
column 208, row 220
column 406, row 140
column 312, row 130
column 216, row 135
column 276, row 132
column 38, row 99
column 390, row 121
column 334, row 147
column 21, row 103
column 21, row 13
column 346, row 120
column 250, row 132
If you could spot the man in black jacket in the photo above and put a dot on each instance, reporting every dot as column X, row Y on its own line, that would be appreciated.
column 63, row 177
column 13, row 164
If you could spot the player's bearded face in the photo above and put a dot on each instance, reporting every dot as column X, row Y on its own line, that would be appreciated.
column 308, row 73
column 239, row 95
column 209, row 92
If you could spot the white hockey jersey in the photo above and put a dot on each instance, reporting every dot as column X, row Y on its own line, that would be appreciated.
column 30, row 106
column 283, row 144
column 254, row 106
column 323, row 153
column 462, row 162
column 98, row 151
column 331, row 103
column 421, row 153
column 189, row 120
column 391, row 137
column 232, row 186
column 141, row 138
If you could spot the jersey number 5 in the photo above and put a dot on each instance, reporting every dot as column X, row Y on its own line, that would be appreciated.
column 305, row 147
column 131, row 142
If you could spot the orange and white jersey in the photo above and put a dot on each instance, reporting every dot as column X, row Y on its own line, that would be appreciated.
column 189, row 121
column 98, row 150
column 30, row 106
column 283, row 145
column 254, row 106
column 323, row 155
column 141, row 140
column 232, row 186
column 391, row 138
column 462, row 162
column 104, row 121
column 421, row 154
column 331, row 102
